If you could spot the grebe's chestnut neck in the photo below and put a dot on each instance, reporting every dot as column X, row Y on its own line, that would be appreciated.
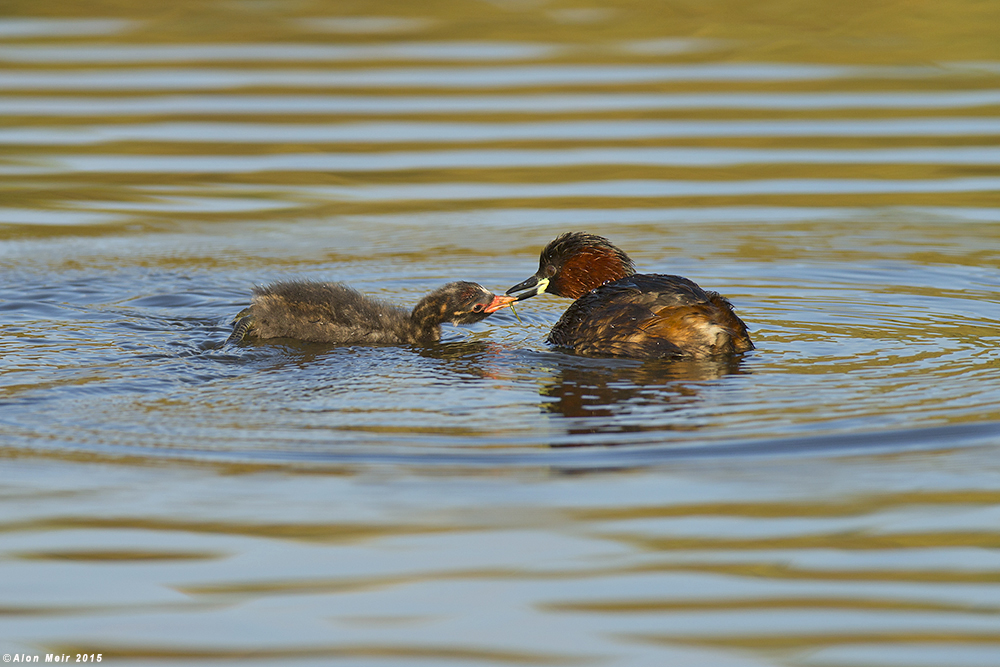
column 574, row 264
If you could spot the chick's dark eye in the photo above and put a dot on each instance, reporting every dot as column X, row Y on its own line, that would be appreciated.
column 478, row 308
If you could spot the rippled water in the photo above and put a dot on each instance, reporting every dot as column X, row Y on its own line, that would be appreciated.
column 830, row 499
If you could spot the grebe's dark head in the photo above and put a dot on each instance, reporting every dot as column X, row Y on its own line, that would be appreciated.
column 573, row 264
column 458, row 303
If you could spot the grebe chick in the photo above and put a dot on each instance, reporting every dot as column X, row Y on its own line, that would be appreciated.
column 621, row 313
column 334, row 313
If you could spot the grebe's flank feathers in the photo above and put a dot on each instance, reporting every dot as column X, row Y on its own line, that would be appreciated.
column 651, row 317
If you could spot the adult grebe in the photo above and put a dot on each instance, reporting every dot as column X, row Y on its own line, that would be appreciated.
column 621, row 313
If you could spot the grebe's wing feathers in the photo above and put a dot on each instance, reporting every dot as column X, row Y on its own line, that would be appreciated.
column 650, row 316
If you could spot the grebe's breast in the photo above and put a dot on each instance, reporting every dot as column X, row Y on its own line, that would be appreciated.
column 650, row 316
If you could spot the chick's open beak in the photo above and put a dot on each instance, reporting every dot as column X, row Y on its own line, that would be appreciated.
column 498, row 303
column 533, row 284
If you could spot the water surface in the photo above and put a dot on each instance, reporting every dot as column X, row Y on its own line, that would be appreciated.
column 829, row 499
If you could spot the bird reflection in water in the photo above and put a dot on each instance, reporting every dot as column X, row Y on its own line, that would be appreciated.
column 621, row 396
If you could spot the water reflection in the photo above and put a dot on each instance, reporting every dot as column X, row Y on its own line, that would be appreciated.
column 27, row 28
column 535, row 76
column 447, row 360
column 584, row 132
column 270, row 53
column 625, row 396
column 365, row 25
column 237, row 105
